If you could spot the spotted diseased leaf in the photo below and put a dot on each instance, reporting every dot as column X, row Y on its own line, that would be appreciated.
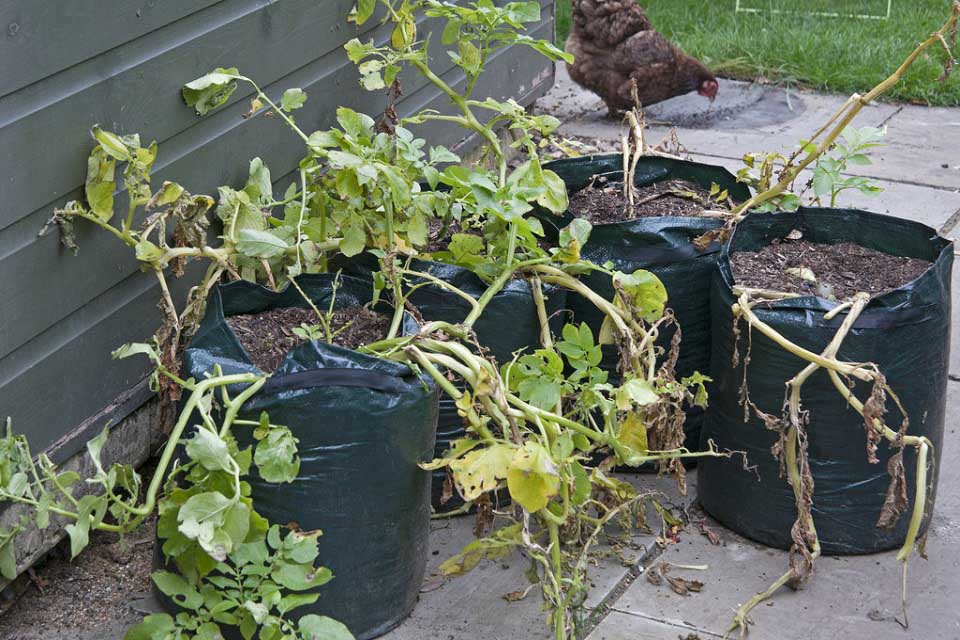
column 212, row 90
column 177, row 588
column 300, row 577
column 481, row 470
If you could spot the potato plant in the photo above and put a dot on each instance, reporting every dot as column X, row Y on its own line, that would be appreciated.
column 535, row 424
column 232, row 566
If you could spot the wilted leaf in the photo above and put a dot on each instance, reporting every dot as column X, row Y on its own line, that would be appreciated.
column 533, row 477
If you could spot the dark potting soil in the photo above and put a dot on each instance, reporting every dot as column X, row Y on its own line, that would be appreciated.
column 603, row 203
column 832, row 271
column 268, row 337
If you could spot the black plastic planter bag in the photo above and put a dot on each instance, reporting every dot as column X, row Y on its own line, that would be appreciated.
column 509, row 323
column 662, row 245
column 906, row 332
column 364, row 424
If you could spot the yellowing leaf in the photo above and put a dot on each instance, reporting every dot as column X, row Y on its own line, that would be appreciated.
column 633, row 433
column 481, row 470
column 533, row 477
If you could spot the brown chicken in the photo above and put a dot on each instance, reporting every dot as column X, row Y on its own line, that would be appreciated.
column 613, row 43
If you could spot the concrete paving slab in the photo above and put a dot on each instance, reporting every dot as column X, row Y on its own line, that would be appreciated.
column 922, row 146
column 745, row 117
column 852, row 597
column 473, row 605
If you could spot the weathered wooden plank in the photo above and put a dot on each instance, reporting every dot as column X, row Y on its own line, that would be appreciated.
column 51, row 384
column 136, row 87
column 44, row 284
column 42, row 38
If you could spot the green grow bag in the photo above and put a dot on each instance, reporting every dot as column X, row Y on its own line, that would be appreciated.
column 508, row 324
column 364, row 425
column 906, row 332
column 662, row 245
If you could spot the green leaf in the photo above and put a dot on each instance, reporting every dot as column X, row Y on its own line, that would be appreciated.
column 540, row 392
column 533, row 477
column 823, row 182
column 292, row 99
column 100, row 183
column 554, row 198
column 355, row 124
column 635, row 392
column 209, row 450
column 18, row 484
column 79, row 533
column 644, row 292
column 301, row 577
column 260, row 244
column 155, row 626
column 201, row 516
column 365, row 9
column 314, row 627
column 8, row 559
column 581, row 484
column 95, row 447
column 146, row 251
column 112, row 144
column 354, row 240
column 276, row 456
column 211, row 91
column 417, row 229
column 176, row 587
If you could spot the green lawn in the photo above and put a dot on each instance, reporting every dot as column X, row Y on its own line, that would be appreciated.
column 837, row 55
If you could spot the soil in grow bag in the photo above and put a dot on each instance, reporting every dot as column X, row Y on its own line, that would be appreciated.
column 509, row 323
column 905, row 330
column 270, row 335
column 659, row 239
column 364, row 424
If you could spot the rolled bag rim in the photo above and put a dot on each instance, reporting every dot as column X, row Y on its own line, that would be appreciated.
column 905, row 307
column 660, row 244
column 408, row 392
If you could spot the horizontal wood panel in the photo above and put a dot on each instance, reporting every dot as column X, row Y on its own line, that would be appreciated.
column 42, row 38
column 62, row 315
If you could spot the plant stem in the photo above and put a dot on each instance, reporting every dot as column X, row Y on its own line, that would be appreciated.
column 845, row 115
